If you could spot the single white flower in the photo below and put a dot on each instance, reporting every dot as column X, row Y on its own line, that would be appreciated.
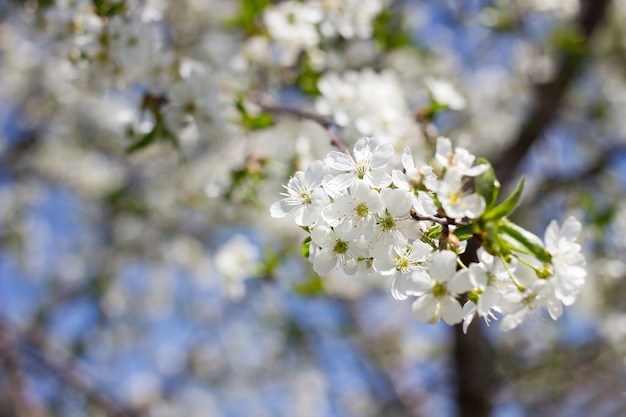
column 370, row 155
column 292, row 26
column 567, row 260
column 437, row 289
column 237, row 260
column 354, row 213
column 338, row 94
column 413, row 181
column 458, row 160
column 516, row 305
column 394, row 226
column 456, row 202
column 490, row 278
column 443, row 93
column 403, row 261
column 330, row 250
column 305, row 198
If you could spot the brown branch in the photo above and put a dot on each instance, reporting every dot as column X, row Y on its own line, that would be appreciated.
column 475, row 367
column 66, row 372
column 326, row 122
column 404, row 400
column 549, row 96
column 590, row 172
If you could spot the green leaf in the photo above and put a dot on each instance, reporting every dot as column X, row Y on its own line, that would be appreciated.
column 434, row 231
column 306, row 247
column 104, row 8
column 259, row 122
column 507, row 206
column 308, row 77
column 487, row 185
column 312, row 286
column 526, row 239
column 464, row 232
column 389, row 31
column 252, row 122
column 247, row 19
column 143, row 141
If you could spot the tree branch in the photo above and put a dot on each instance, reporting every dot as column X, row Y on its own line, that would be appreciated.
column 66, row 372
column 475, row 367
column 549, row 96
column 326, row 122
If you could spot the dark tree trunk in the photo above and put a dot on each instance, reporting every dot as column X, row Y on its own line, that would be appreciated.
column 475, row 367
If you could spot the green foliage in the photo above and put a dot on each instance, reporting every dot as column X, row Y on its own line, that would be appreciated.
column 499, row 19
column 153, row 104
column 487, row 185
column 527, row 240
column 271, row 261
column 570, row 38
column 106, row 8
column 464, row 232
column 246, row 20
column 245, row 182
column 311, row 287
column 253, row 122
column 600, row 215
column 308, row 77
column 306, row 247
column 507, row 206
column 389, row 32
column 126, row 200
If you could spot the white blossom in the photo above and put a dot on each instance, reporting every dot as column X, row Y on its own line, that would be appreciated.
column 567, row 259
column 354, row 213
column 370, row 156
column 305, row 197
column 458, row 160
column 437, row 289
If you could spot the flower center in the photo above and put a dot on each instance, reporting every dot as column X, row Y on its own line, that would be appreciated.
column 340, row 246
column 387, row 223
column 361, row 210
column 402, row 264
column 440, row 290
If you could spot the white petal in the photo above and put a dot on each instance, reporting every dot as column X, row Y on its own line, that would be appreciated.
column 324, row 262
column 476, row 170
column 280, row 208
column 407, row 160
column 451, row 310
column 475, row 205
column 397, row 201
column 315, row 173
column 309, row 214
column 460, row 282
column 511, row 321
column 377, row 179
column 570, row 229
column 340, row 161
column 555, row 308
column 488, row 299
column 551, row 236
column 424, row 204
column 426, row 309
column 339, row 184
column 382, row 156
column 404, row 285
column 444, row 149
column 443, row 265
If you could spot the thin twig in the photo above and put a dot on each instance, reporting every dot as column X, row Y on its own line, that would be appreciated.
column 326, row 122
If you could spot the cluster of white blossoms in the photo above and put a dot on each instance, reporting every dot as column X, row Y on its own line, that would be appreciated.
column 411, row 225
column 300, row 26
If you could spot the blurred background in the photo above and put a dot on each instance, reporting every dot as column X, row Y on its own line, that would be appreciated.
column 142, row 142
